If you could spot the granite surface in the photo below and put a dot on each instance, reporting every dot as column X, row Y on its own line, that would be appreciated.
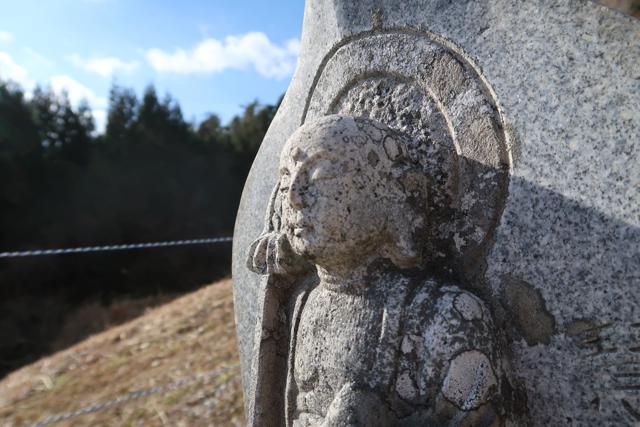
column 383, row 335
column 562, row 268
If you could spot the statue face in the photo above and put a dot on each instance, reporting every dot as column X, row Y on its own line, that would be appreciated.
column 330, row 209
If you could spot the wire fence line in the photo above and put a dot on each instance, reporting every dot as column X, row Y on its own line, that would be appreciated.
column 134, row 395
column 109, row 248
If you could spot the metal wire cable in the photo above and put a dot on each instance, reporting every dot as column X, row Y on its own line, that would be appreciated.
column 124, row 247
column 128, row 397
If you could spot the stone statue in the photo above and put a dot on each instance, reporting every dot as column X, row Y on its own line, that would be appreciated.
column 360, row 327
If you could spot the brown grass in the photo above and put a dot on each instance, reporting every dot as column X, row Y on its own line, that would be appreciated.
column 191, row 335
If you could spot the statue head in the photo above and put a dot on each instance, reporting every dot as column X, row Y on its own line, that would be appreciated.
column 352, row 189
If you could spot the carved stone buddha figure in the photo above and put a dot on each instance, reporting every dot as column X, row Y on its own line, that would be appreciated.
column 371, row 336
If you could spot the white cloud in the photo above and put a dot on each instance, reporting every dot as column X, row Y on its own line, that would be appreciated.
column 6, row 37
column 105, row 66
column 252, row 50
column 100, row 120
column 76, row 91
column 60, row 84
column 9, row 70
column 38, row 58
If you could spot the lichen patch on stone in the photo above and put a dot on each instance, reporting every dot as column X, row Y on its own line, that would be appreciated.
column 468, row 307
column 469, row 381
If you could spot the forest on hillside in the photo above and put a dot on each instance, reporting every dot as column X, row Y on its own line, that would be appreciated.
column 151, row 176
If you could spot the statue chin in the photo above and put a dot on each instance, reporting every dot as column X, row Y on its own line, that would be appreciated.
column 301, row 245
column 311, row 248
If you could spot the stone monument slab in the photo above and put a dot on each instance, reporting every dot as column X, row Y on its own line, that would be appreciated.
column 523, row 117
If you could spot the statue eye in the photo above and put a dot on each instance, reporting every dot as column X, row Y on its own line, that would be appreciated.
column 322, row 171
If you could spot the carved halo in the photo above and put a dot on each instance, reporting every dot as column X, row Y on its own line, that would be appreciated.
column 425, row 86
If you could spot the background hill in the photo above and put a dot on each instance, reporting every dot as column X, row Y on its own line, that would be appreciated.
column 190, row 335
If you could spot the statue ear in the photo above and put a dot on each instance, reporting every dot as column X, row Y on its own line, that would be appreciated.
column 401, row 247
column 407, row 207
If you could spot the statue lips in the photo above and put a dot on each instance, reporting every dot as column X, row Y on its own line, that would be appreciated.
column 302, row 228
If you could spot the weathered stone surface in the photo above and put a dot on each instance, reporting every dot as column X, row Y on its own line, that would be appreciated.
column 558, row 83
column 360, row 204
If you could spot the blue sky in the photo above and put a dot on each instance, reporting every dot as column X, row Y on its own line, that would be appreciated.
column 211, row 56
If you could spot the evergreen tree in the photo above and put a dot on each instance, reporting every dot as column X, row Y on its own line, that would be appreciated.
column 211, row 130
column 150, row 177
column 61, row 127
column 122, row 114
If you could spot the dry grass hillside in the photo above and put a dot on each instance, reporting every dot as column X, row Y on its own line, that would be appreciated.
column 190, row 335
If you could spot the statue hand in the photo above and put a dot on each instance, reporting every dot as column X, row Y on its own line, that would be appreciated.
column 271, row 253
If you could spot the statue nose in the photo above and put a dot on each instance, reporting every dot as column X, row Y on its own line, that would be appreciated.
column 297, row 191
